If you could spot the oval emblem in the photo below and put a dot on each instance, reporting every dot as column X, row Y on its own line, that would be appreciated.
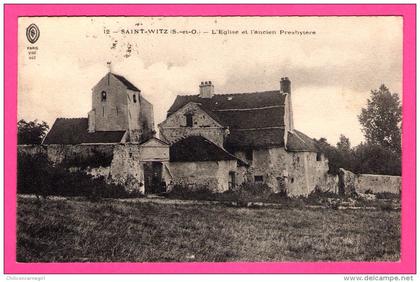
column 32, row 33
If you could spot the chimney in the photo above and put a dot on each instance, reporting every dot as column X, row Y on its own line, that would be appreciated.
column 206, row 89
column 286, row 90
column 285, row 85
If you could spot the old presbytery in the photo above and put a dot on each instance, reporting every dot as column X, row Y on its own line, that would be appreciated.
column 218, row 141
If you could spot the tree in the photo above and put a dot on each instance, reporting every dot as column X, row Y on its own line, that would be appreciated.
column 31, row 132
column 344, row 144
column 376, row 159
column 337, row 158
column 381, row 120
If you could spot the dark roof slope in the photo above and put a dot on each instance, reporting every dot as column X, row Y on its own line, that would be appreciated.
column 260, row 138
column 75, row 131
column 261, row 113
column 300, row 142
column 256, row 118
column 231, row 101
column 127, row 83
column 198, row 148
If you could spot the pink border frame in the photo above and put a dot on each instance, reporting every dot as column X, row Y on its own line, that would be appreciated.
column 408, row 239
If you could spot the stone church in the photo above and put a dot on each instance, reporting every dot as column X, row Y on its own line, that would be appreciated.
column 119, row 128
column 218, row 141
column 119, row 114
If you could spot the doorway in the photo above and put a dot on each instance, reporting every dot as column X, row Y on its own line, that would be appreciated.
column 153, row 183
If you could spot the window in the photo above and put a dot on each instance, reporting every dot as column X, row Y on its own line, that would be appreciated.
column 232, row 180
column 281, row 186
column 189, row 120
column 134, row 98
column 318, row 156
column 248, row 154
column 258, row 178
column 103, row 96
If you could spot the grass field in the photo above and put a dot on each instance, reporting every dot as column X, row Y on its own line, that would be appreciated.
column 70, row 230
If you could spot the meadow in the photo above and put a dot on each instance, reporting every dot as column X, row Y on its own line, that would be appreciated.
column 74, row 229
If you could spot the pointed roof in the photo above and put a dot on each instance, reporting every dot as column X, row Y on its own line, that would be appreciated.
column 150, row 140
column 125, row 81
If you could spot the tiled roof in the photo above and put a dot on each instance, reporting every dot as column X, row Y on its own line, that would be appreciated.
column 263, row 112
column 258, row 118
column 299, row 142
column 255, row 120
column 75, row 131
column 232, row 101
column 127, row 83
column 198, row 148
column 271, row 137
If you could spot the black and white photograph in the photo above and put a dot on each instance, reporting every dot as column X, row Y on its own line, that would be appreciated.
column 209, row 139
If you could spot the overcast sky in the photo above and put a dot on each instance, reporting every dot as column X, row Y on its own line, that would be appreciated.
column 332, row 71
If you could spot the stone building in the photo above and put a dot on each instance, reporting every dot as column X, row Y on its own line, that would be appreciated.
column 117, row 135
column 196, row 162
column 257, row 128
column 208, row 140
column 119, row 114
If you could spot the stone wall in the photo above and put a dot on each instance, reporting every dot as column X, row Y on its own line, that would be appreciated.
column 73, row 155
column 172, row 135
column 111, row 114
column 124, row 162
column 148, row 122
column 330, row 184
column 372, row 183
column 127, row 167
column 100, row 172
column 32, row 149
column 214, row 175
column 174, row 127
column 302, row 170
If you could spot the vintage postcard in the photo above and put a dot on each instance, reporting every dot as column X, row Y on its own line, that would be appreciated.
column 214, row 142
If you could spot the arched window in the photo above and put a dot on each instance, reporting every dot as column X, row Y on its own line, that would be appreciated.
column 134, row 98
column 103, row 96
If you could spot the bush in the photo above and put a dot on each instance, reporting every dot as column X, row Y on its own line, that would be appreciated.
column 241, row 195
column 387, row 195
column 318, row 194
column 95, row 159
column 187, row 193
column 386, row 206
column 36, row 175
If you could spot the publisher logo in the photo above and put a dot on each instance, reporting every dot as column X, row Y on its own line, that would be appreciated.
column 32, row 33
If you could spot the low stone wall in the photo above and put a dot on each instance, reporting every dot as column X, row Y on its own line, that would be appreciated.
column 361, row 183
column 32, row 149
column 92, row 155
column 378, row 183
column 121, row 164
column 329, row 183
